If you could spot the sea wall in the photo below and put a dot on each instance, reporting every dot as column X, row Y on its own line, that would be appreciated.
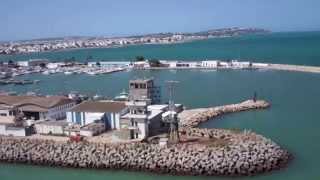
column 248, row 154
column 193, row 117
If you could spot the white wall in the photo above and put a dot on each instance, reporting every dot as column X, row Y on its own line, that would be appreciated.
column 16, row 132
column 173, row 64
column 4, row 111
column 91, row 117
column 23, row 63
column 46, row 129
column 69, row 117
column 143, row 129
column 3, row 129
column 59, row 112
column 209, row 64
column 86, row 133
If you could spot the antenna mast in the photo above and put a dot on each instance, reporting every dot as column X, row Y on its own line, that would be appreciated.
column 173, row 119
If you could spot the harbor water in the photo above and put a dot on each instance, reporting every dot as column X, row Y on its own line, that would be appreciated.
column 292, row 121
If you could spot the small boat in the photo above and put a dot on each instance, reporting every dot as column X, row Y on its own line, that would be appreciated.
column 46, row 72
column 97, row 97
column 92, row 73
column 123, row 96
column 68, row 72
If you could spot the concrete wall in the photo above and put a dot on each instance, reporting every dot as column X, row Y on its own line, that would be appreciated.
column 86, row 133
column 143, row 130
column 209, row 64
column 8, row 131
column 3, row 129
column 16, row 132
column 4, row 111
column 91, row 117
column 47, row 129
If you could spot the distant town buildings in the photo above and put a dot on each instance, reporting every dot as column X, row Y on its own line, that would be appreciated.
column 99, row 42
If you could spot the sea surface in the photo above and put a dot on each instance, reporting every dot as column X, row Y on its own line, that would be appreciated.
column 293, row 121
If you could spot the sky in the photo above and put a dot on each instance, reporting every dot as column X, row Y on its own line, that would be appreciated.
column 30, row 19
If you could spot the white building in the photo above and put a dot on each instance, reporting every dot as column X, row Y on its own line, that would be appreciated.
column 141, row 64
column 170, row 64
column 110, row 64
column 23, row 63
column 51, row 127
column 144, row 120
column 260, row 65
column 54, row 65
column 209, row 64
column 194, row 64
column 36, row 107
column 89, row 112
column 239, row 64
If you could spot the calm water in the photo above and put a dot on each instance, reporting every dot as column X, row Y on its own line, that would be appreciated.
column 292, row 121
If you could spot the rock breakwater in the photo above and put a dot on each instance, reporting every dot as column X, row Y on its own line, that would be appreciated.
column 248, row 154
column 192, row 118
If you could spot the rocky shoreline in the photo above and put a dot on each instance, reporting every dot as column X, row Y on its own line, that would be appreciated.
column 201, row 152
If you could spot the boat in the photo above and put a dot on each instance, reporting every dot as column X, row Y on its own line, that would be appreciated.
column 46, row 72
column 68, row 72
column 123, row 96
column 92, row 73
column 96, row 97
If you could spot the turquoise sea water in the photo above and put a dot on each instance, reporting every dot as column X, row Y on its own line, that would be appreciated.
column 292, row 121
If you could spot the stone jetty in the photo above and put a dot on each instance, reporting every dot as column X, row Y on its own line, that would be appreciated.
column 247, row 154
column 193, row 117
column 200, row 152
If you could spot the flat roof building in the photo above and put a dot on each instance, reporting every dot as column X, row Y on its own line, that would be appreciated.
column 88, row 112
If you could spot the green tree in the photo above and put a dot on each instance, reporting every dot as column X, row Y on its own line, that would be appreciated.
column 154, row 63
column 140, row 58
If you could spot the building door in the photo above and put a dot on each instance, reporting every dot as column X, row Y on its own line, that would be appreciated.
column 78, row 118
column 131, row 134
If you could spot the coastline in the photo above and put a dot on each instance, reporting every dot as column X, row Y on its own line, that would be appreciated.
column 200, row 152
column 255, row 66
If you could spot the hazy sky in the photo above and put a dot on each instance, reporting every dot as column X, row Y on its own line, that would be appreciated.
column 26, row 19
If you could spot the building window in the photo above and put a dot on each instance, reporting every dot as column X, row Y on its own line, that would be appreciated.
column 3, row 114
column 137, row 135
column 143, row 86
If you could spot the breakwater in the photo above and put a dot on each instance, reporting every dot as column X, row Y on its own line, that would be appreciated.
column 248, row 154
column 296, row 68
column 193, row 117
column 201, row 152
